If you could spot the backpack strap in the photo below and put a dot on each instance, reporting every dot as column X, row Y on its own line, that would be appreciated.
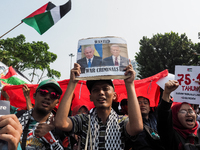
column 24, row 138
column 20, row 113
column 151, row 132
column 25, row 131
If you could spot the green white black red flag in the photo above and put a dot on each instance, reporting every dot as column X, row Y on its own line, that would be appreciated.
column 46, row 16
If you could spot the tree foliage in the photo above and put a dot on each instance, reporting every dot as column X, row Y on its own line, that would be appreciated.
column 24, row 56
column 164, row 52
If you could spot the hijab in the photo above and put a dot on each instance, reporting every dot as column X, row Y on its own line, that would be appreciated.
column 184, row 132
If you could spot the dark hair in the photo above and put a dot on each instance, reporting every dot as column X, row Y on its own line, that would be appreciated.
column 144, row 97
column 90, row 83
column 124, row 102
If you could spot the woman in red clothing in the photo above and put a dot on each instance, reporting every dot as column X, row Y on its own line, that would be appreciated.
column 177, row 124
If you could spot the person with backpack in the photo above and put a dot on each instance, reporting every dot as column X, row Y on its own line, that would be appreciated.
column 177, row 125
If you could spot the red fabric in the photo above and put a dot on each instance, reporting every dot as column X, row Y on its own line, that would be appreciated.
column 146, row 87
column 11, row 72
column 49, row 138
column 38, row 11
column 177, row 125
column 65, row 142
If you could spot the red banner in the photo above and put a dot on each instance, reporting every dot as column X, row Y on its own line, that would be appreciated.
column 145, row 87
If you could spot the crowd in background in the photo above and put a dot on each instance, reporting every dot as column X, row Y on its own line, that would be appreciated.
column 128, row 124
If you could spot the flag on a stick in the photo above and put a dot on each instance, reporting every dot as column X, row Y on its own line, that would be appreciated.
column 46, row 16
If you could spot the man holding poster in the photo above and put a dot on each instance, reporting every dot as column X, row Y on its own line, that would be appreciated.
column 102, row 128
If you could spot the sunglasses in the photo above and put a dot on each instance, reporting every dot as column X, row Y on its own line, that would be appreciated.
column 53, row 95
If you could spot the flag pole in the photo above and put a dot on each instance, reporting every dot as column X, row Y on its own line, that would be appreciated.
column 11, row 29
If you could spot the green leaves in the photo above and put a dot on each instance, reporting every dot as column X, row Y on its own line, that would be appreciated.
column 27, row 56
column 164, row 52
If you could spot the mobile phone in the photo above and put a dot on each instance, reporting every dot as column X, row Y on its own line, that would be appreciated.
column 4, row 110
column 4, row 107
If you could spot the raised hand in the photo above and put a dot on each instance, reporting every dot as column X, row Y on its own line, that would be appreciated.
column 44, row 128
column 170, row 86
column 26, row 91
column 129, row 72
column 75, row 72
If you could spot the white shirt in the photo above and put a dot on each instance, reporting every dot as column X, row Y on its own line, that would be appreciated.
column 91, row 59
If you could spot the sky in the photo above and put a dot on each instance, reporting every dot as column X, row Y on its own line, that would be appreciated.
column 128, row 19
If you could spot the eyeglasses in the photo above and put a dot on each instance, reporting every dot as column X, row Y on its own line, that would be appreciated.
column 44, row 92
column 184, row 112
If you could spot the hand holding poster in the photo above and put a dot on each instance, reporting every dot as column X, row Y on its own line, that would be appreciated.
column 106, row 56
column 188, row 88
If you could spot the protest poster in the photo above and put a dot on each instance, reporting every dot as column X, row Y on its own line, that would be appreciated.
column 187, row 90
column 102, row 58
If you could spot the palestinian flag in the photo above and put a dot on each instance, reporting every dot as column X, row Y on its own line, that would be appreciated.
column 46, row 16
column 13, row 78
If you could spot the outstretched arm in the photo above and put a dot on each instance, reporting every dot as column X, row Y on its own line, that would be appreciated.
column 61, row 120
column 135, row 124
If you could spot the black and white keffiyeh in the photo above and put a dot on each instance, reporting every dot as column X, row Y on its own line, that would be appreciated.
column 108, row 134
column 24, row 118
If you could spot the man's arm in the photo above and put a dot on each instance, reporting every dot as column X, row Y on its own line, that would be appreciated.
column 26, row 92
column 11, row 130
column 135, row 124
column 61, row 120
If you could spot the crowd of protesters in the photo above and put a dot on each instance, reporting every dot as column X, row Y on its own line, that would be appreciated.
column 130, row 125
